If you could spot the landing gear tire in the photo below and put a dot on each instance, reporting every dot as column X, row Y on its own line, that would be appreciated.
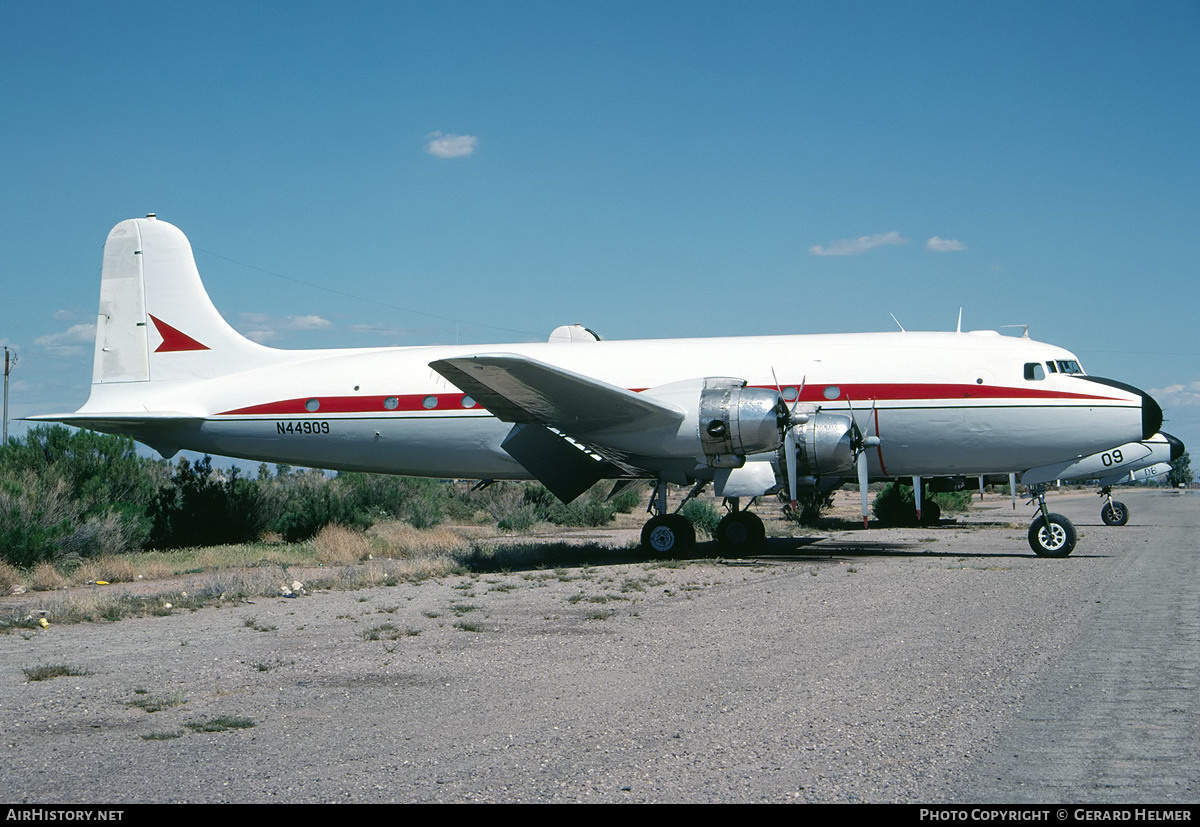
column 741, row 531
column 1114, row 512
column 931, row 513
column 1054, row 540
column 669, row 534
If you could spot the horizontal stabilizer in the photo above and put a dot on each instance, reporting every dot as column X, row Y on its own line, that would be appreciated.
column 518, row 389
column 164, row 431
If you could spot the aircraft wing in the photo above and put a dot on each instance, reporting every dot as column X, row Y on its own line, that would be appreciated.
column 522, row 390
column 560, row 418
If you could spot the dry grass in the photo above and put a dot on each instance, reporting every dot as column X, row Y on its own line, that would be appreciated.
column 11, row 576
column 387, row 554
column 402, row 540
column 46, row 577
column 337, row 545
column 109, row 568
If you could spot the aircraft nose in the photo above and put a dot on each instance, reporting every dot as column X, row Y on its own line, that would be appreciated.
column 1176, row 447
column 1152, row 419
column 1151, row 412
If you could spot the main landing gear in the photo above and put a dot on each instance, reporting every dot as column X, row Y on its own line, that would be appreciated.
column 673, row 534
column 1113, row 512
column 1050, row 535
column 666, row 533
column 740, row 530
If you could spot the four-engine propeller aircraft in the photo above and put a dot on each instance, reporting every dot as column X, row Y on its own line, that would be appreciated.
column 750, row 416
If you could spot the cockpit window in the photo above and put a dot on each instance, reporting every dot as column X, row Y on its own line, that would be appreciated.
column 1050, row 365
column 1069, row 366
column 1034, row 370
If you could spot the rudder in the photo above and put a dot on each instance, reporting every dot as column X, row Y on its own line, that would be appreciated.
column 156, row 320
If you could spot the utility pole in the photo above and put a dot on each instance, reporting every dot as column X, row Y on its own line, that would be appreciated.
column 10, row 359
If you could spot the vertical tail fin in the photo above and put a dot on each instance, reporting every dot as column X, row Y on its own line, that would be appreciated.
column 156, row 320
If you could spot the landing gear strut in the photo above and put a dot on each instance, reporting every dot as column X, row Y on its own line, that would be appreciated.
column 667, row 534
column 1050, row 535
column 1113, row 512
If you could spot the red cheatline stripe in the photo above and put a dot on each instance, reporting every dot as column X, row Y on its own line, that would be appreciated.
column 407, row 403
column 356, row 404
column 890, row 391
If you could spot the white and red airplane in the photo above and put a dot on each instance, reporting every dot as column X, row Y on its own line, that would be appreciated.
column 750, row 416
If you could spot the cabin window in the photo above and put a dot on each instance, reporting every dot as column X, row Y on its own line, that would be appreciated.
column 430, row 401
column 312, row 405
column 468, row 402
column 1034, row 371
column 391, row 403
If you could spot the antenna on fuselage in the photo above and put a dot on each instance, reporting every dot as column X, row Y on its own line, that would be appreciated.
column 897, row 321
column 959, row 330
column 1024, row 329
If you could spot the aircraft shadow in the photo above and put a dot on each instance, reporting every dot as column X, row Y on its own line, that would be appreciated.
column 818, row 549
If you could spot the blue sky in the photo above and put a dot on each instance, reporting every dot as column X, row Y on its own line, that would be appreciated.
column 403, row 173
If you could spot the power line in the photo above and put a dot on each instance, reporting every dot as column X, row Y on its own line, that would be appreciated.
column 388, row 305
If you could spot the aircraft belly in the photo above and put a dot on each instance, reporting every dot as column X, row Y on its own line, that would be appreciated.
column 466, row 447
column 931, row 441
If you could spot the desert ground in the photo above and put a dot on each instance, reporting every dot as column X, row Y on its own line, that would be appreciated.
column 942, row 664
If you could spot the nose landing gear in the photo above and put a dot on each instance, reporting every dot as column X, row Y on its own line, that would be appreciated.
column 1113, row 512
column 1050, row 535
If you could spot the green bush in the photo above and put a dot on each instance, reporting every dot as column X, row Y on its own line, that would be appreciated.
column 895, row 505
column 702, row 515
column 201, row 507
column 811, row 505
column 72, row 494
column 417, row 501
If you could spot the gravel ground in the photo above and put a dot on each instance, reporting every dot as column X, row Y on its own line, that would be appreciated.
column 920, row 665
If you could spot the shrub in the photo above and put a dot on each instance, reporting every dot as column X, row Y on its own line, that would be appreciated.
column 896, row 506
column 303, row 504
column 201, row 507
column 811, row 503
column 702, row 515
column 67, row 494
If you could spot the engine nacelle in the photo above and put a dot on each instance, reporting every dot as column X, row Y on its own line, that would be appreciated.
column 724, row 421
column 735, row 420
column 824, row 445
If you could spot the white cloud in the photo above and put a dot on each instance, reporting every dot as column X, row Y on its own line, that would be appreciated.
column 1178, row 396
column 855, row 246
column 307, row 323
column 75, row 334
column 264, row 327
column 944, row 245
column 261, row 336
column 444, row 145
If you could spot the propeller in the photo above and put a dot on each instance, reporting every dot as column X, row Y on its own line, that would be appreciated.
column 859, row 443
column 789, row 437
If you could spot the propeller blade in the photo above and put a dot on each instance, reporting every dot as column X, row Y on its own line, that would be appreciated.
column 862, row 483
column 789, row 448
